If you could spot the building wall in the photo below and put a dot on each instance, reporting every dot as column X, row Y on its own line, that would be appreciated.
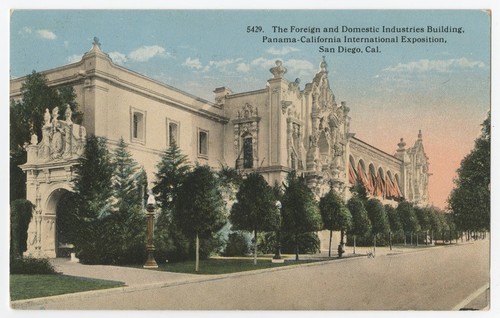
column 108, row 95
column 265, row 116
column 291, row 127
column 386, row 166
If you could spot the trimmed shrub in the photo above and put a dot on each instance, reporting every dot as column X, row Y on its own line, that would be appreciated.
column 30, row 266
column 21, row 212
column 172, row 245
column 237, row 245
column 267, row 243
column 308, row 243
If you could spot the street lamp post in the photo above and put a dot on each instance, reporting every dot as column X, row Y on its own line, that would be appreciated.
column 150, row 248
column 277, row 257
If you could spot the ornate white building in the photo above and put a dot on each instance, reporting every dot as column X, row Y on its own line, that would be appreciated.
column 280, row 127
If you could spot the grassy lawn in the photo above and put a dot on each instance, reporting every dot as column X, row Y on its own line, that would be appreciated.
column 33, row 286
column 214, row 266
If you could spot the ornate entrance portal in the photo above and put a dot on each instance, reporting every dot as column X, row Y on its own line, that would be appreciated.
column 49, row 175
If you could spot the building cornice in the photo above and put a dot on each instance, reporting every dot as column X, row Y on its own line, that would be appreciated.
column 115, row 80
column 160, row 97
column 374, row 150
column 259, row 91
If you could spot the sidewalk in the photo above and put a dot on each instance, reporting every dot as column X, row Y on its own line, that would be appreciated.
column 132, row 277
column 379, row 251
column 144, row 279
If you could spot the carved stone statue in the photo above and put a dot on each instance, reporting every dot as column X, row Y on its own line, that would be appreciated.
column 61, row 139
column 46, row 117
column 57, row 132
column 34, row 139
column 338, row 160
column 68, row 114
column 44, row 146
column 68, row 127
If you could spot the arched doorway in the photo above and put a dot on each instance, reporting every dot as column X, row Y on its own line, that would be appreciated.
column 49, row 174
column 58, row 226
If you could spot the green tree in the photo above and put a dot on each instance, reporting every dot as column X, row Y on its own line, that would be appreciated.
column 255, row 210
column 90, row 231
column 129, row 183
column 435, row 222
column 21, row 212
column 125, row 187
column 360, row 221
column 300, row 212
column 237, row 245
column 469, row 201
column 444, row 226
column 422, row 215
column 309, row 243
column 199, row 210
column 171, row 172
column 360, row 191
column 335, row 216
column 408, row 218
column 229, row 182
column 452, row 228
column 378, row 218
column 26, row 119
column 395, row 225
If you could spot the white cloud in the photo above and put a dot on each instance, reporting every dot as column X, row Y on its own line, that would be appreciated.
column 426, row 65
column 117, row 57
column 145, row 53
column 46, row 34
column 222, row 64
column 282, row 51
column 164, row 77
column 243, row 67
column 263, row 62
column 41, row 33
column 299, row 66
column 26, row 30
column 193, row 63
column 74, row 58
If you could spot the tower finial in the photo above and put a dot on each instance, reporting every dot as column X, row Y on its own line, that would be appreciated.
column 96, row 42
column 279, row 70
column 401, row 144
column 420, row 134
column 323, row 65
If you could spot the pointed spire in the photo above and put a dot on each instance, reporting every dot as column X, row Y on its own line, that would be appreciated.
column 419, row 134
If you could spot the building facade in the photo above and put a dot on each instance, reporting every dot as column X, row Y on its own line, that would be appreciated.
column 280, row 127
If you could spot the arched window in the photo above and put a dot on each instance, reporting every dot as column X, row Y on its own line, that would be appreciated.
column 353, row 176
column 248, row 152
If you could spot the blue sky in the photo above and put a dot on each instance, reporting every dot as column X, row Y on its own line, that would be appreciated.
column 443, row 89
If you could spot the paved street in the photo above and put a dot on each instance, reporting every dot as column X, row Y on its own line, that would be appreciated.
column 438, row 278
